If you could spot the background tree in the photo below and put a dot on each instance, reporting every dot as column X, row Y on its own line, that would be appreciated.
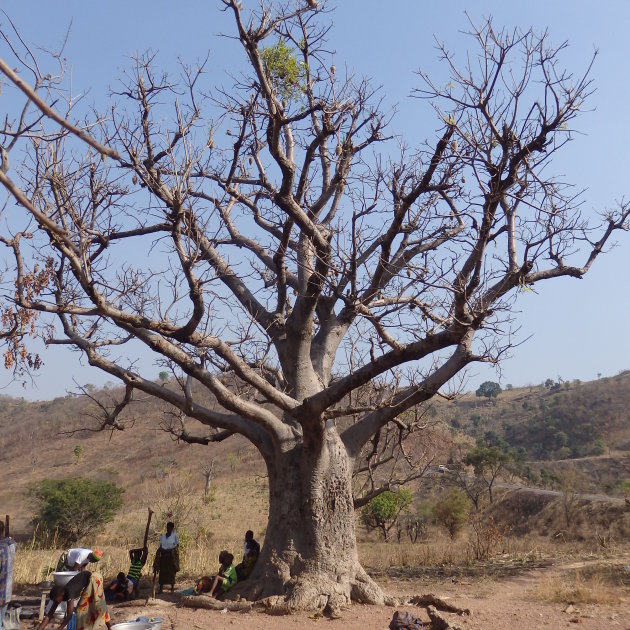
column 298, row 255
column 489, row 389
column 451, row 511
column 488, row 462
column 164, row 376
column 382, row 512
column 75, row 507
column 571, row 484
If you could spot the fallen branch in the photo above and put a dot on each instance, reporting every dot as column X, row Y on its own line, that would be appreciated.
column 438, row 603
column 138, row 603
column 438, row 622
column 210, row 603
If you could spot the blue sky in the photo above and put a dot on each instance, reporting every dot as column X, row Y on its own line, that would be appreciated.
column 576, row 326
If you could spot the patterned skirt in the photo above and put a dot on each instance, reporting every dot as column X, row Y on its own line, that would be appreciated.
column 92, row 613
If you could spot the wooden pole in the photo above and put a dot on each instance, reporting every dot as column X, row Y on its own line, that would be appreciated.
column 6, row 526
column 42, row 605
column 146, row 531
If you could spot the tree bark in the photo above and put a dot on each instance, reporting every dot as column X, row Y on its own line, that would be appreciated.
column 310, row 554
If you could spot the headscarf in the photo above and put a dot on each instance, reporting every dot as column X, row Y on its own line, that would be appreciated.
column 97, row 554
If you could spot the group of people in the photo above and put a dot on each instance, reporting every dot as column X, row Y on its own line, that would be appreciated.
column 86, row 595
column 166, row 565
column 228, row 574
column 126, row 585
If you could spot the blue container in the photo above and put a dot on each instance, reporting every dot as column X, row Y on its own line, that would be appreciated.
column 72, row 624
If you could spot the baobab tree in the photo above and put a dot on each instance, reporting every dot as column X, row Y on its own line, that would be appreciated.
column 277, row 234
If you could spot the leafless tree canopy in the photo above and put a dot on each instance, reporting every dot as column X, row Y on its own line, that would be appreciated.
column 281, row 234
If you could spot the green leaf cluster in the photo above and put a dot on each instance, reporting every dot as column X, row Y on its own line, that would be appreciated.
column 286, row 73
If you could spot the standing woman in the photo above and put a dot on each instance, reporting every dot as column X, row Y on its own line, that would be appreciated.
column 166, row 563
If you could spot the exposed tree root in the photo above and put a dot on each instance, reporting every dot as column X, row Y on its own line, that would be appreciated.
column 320, row 593
column 364, row 590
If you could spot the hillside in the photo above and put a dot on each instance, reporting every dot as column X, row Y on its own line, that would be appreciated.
column 559, row 421
column 37, row 439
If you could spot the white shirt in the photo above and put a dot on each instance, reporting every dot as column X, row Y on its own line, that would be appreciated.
column 169, row 542
column 78, row 556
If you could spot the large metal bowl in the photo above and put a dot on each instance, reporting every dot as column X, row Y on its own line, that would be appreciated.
column 61, row 578
column 132, row 625
column 154, row 622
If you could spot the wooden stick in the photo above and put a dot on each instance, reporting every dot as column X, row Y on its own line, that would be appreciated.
column 146, row 531
column 6, row 525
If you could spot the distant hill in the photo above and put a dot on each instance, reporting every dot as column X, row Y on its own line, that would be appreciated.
column 559, row 421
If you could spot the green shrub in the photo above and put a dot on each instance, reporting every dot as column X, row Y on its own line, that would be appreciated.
column 74, row 507
column 451, row 511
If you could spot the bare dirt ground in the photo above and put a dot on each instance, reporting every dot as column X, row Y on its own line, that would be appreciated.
column 513, row 602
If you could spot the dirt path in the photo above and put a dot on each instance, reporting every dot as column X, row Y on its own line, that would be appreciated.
column 495, row 605
column 510, row 603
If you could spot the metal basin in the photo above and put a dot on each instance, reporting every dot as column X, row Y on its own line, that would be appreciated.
column 132, row 625
column 61, row 578
column 154, row 622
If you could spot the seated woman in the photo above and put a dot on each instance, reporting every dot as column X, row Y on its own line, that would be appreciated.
column 222, row 582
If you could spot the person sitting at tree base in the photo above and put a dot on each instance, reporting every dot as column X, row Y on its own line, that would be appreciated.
column 222, row 582
column 250, row 556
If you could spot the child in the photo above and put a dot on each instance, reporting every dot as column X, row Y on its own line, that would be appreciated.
column 226, row 578
column 138, row 558
column 119, row 589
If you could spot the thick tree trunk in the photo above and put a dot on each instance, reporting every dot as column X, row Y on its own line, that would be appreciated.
column 310, row 555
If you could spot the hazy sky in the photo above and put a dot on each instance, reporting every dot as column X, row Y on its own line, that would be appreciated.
column 577, row 327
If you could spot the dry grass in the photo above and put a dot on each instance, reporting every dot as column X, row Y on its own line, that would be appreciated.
column 219, row 522
column 582, row 586
column 207, row 525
